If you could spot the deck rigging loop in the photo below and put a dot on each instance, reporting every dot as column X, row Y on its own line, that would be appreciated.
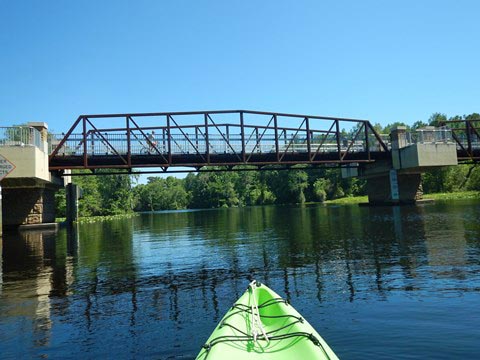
column 256, row 323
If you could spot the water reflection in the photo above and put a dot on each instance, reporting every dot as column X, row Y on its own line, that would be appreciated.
column 166, row 278
column 29, row 260
column 1, row 264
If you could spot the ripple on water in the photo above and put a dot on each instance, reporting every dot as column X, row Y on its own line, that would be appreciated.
column 379, row 282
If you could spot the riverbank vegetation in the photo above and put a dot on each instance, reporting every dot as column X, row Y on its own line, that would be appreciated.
column 117, row 194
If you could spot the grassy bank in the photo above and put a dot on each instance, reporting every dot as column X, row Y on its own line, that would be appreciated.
column 438, row 196
column 454, row 195
column 348, row 200
column 92, row 219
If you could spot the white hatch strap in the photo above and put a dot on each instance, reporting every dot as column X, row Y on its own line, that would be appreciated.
column 256, row 323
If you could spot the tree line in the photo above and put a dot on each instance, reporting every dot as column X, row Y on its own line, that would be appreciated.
column 117, row 194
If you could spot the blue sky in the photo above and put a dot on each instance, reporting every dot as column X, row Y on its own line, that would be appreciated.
column 381, row 60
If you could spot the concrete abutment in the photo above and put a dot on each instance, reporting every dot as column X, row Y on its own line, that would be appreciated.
column 27, row 186
column 27, row 203
column 382, row 191
column 398, row 180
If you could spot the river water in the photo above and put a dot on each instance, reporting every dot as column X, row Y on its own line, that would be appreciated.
column 381, row 283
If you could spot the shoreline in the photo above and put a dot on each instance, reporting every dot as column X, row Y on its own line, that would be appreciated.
column 461, row 195
column 352, row 200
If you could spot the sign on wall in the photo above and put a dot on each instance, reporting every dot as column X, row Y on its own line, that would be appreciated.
column 6, row 167
column 394, row 185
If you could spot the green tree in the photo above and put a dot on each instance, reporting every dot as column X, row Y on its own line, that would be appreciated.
column 116, row 194
column 91, row 202
column 321, row 187
column 437, row 119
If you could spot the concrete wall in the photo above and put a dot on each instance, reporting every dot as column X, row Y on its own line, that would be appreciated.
column 425, row 155
column 29, row 161
column 1, row 225
column 28, row 191
column 28, row 205
column 379, row 190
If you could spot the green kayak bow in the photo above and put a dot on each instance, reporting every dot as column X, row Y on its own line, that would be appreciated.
column 262, row 325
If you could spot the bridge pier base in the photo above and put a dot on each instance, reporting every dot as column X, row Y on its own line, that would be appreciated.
column 28, row 202
column 1, row 222
column 72, row 193
column 395, row 189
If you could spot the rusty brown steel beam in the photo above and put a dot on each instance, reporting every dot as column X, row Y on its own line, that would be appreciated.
column 306, row 125
column 106, row 130
column 106, row 141
column 85, row 153
column 258, row 139
column 129, row 149
column 151, row 144
column 200, row 171
column 367, row 145
column 293, row 138
column 253, row 112
column 223, row 136
column 353, row 141
column 337, row 132
column 200, row 165
column 207, row 143
column 69, row 132
column 377, row 136
column 458, row 121
column 323, row 141
column 188, row 139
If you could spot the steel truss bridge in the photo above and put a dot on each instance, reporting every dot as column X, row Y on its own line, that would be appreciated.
column 230, row 139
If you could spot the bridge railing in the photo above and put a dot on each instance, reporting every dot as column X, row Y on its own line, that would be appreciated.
column 165, row 137
column 430, row 136
column 182, row 146
column 20, row 136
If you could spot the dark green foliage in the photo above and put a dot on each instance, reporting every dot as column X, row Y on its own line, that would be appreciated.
column 161, row 194
column 60, row 203
column 104, row 195
column 231, row 189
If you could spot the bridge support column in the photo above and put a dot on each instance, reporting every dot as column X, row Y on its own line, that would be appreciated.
column 391, row 189
column 72, row 192
column 28, row 203
column 1, row 222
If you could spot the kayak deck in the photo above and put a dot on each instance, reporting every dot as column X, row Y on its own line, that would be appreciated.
column 262, row 325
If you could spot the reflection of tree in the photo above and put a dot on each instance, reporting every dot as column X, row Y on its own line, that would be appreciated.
column 446, row 245
column 160, row 271
column 1, row 264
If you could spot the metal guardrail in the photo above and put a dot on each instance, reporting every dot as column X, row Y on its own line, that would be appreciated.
column 430, row 136
column 181, row 145
column 20, row 136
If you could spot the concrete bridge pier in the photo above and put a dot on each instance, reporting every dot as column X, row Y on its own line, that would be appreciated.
column 394, row 188
column 28, row 187
column 398, row 180
column 28, row 201
column 73, row 194
column 1, row 222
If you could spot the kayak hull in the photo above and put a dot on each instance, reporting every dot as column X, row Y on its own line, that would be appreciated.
column 282, row 333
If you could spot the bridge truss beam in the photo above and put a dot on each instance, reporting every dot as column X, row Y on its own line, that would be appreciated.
column 214, row 138
column 466, row 134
